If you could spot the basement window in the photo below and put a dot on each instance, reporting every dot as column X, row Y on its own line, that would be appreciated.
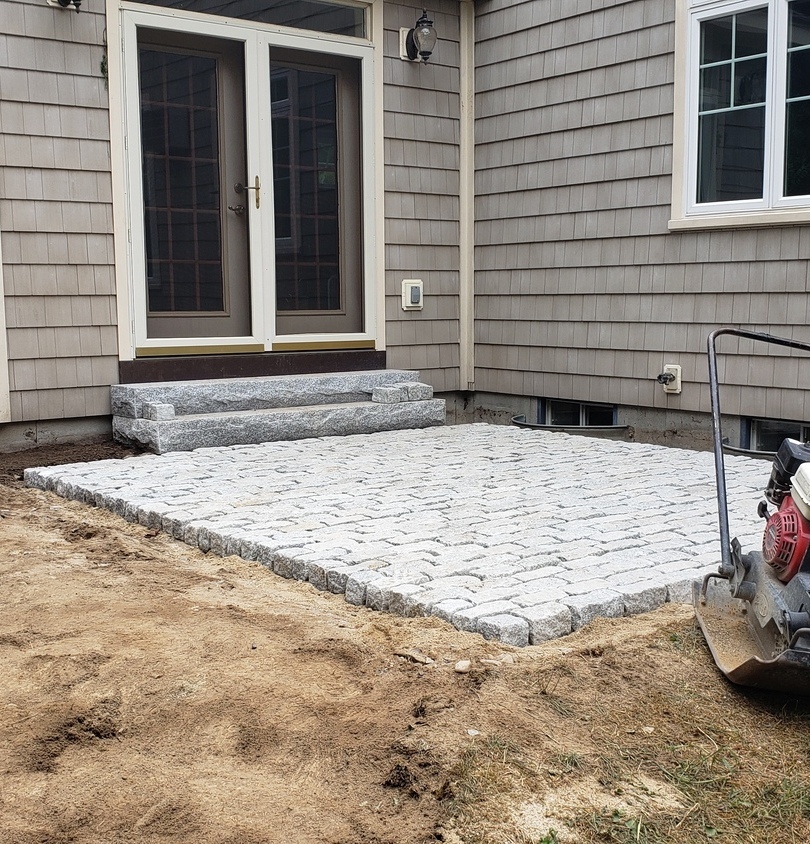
column 572, row 414
column 767, row 434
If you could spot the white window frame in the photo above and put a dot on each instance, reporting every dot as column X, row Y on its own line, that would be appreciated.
column 773, row 208
column 123, row 18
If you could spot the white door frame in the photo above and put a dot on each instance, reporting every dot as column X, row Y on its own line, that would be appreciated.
column 122, row 21
column 5, row 395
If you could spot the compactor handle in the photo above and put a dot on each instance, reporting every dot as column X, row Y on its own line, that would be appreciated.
column 727, row 566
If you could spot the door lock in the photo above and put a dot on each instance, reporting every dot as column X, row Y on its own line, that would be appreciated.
column 257, row 186
column 239, row 210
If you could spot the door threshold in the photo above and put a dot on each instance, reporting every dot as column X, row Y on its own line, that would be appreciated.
column 195, row 368
column 322, row 345
column 177, row 351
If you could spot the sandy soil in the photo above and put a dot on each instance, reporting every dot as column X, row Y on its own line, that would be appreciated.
column 151, row 693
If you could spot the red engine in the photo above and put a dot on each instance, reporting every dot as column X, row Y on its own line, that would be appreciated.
column 786, row 540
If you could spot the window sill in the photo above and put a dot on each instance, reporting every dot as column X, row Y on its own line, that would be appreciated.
column 751, row 219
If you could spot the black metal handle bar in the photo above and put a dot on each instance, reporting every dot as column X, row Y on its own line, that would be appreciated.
column 727, row 566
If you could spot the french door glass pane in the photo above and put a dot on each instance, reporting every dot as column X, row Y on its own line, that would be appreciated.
column 303, row 14
column 181, row 182
column 305, row 182
column 731, row 155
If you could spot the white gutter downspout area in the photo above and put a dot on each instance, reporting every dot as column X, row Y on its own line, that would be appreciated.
column 466, row 220
column 5, row 399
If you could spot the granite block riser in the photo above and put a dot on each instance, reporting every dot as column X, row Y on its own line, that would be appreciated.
column 280, row 424
column 232, row 394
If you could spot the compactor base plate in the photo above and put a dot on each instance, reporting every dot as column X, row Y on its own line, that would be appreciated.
column 742, row 653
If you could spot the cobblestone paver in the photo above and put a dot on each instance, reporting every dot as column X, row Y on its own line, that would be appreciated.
column 519, row 535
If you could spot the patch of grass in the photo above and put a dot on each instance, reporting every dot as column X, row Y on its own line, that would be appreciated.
column 547, row 682
column 695, row 774
column 561, row 706
column 619, row 827
column 688, row 639
column 487, row 768
column 721, row 800
column 783, row 801
column 568, row 762
column 611, row 771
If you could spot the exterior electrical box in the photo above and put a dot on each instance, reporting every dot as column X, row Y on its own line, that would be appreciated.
column 412, row 294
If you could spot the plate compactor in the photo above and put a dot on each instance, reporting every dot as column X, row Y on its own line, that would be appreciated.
column 755, row 611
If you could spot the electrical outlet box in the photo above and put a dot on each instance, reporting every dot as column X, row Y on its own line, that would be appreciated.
column 412, row 294
column 674, row 386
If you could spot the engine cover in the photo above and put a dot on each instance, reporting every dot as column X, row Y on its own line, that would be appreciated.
column 786, row 540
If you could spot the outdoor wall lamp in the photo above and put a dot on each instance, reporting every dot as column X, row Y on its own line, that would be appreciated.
column 420, row 41
column 65, row 4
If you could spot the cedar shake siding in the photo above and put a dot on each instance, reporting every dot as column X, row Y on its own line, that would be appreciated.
column 583, row 287
column 583, row 292
column 56, row 212
column 421, row 125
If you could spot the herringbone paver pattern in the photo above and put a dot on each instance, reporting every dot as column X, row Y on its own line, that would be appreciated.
column 520, row 535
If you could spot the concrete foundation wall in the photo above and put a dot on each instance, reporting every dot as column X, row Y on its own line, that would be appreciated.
column 682, row 429
column 20, row 436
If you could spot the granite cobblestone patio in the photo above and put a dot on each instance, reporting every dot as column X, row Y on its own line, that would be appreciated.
column 519, row 535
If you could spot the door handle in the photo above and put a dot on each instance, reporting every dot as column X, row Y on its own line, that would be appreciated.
column 237, row 209
column 257, row 186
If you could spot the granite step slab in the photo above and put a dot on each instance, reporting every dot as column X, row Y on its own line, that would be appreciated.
column 243, row 427
column 239, row 394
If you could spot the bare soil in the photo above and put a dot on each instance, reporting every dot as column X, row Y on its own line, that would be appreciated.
column 152, row 693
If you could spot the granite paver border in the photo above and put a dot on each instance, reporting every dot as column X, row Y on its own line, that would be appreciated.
column 519, row 535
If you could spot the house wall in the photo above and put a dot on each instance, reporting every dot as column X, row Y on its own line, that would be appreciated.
column 55, row 212
column 421, row 103
column 582, row 292
column 56, row 206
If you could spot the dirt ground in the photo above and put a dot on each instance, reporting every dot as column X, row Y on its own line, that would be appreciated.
column 151, row 693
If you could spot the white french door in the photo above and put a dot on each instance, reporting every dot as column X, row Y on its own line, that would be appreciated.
column 250, row 223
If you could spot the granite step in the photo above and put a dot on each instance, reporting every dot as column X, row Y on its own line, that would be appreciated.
column 230, row 394
column 186, row 415
column 243, row 427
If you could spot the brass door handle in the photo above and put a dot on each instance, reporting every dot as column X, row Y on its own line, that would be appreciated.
column 257, row 186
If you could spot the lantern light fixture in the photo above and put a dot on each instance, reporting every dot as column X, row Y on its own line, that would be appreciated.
column 65, row 4
column 420, row 41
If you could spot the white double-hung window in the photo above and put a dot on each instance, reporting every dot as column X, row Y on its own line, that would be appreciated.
column 742, row 113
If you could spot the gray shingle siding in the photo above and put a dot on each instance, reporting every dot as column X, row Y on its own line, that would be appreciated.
column 56, row 212
column 582, row 291
column 421, row 125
